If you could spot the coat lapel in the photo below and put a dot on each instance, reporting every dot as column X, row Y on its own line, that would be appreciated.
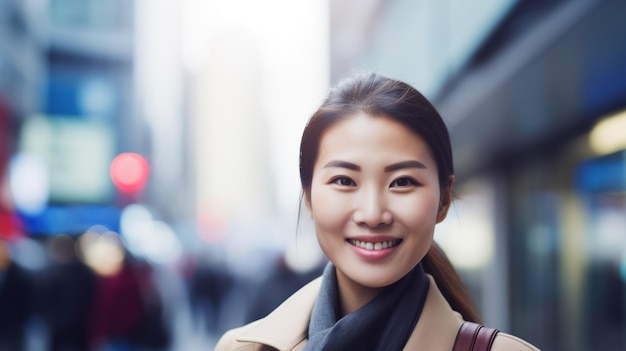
column 438, row 324
column 286, row 327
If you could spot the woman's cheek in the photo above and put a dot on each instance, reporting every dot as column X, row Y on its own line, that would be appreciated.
column 423, row 205
column 327, row 208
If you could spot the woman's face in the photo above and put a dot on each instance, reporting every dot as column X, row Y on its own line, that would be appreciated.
column 374, row 199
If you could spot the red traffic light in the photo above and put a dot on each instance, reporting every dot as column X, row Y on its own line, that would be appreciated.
column 129, row 172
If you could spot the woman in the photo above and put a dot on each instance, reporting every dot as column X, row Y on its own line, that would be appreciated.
column 377, row 176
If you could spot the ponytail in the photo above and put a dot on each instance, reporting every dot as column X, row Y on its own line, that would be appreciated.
column 437, row 264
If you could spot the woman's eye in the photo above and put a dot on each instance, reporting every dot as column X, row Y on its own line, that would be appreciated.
column 403, row 182
column 343, row 181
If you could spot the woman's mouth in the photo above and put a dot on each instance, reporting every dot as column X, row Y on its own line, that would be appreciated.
column 375, row 246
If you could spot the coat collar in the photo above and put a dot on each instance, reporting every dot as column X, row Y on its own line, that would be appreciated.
column 286, row 327
column 438, row 324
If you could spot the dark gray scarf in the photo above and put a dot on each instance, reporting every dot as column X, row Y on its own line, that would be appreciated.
column 385, row 323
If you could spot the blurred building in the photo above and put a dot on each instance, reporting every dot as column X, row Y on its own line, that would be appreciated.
column 534, row 94
column 21, row 72
column 253, row 76
column 205, row 93
column 76, row 90
column 87, row 139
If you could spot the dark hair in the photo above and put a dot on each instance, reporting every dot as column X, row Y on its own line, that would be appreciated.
column 377, row 95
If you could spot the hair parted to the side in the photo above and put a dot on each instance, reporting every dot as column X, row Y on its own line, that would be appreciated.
column 377, row 95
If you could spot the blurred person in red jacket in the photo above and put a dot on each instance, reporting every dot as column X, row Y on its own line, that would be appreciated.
column 127, row 310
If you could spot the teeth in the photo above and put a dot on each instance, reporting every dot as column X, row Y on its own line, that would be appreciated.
column 374, row 246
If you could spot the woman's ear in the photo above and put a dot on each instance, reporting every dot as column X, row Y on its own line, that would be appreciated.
column 445, row 200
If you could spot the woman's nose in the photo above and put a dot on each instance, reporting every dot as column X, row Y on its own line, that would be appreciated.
column 371, row 209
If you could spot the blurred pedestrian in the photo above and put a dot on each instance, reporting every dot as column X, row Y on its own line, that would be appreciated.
column 15, row 301
column 377, row 176
column 66, row 296
column 279, row 285
column 151, row 332
column 127, row 312
column 209, row 286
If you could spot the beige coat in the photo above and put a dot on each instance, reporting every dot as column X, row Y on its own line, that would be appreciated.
column 286, row 327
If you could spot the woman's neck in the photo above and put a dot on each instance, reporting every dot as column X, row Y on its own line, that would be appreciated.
column 352, row 295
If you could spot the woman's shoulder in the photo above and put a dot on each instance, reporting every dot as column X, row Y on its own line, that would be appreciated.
column 283, row 328
column 508, row 342
column 438, row 312
column 229, row 342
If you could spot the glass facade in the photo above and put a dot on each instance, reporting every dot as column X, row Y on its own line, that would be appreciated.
column 430, row 40
column 602, row 188
column 568, row 249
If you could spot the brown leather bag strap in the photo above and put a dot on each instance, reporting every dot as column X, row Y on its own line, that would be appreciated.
column 466, row 337
column 474, row 337
column 485, row 339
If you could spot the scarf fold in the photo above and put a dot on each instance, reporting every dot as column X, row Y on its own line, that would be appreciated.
column 385, row 323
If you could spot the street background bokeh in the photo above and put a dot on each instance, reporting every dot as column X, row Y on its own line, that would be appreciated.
column 149, row 190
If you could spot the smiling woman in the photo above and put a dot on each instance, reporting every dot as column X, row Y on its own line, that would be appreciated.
column 378, row 199
column 377, row 177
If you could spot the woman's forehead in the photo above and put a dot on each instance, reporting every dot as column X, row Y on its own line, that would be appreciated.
column 362, row 134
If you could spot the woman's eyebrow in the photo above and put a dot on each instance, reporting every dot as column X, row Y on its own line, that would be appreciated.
column 405, row 164
column 390, row 168
column 342, row 164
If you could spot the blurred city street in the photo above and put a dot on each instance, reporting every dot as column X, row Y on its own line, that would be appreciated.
column 150, row 197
